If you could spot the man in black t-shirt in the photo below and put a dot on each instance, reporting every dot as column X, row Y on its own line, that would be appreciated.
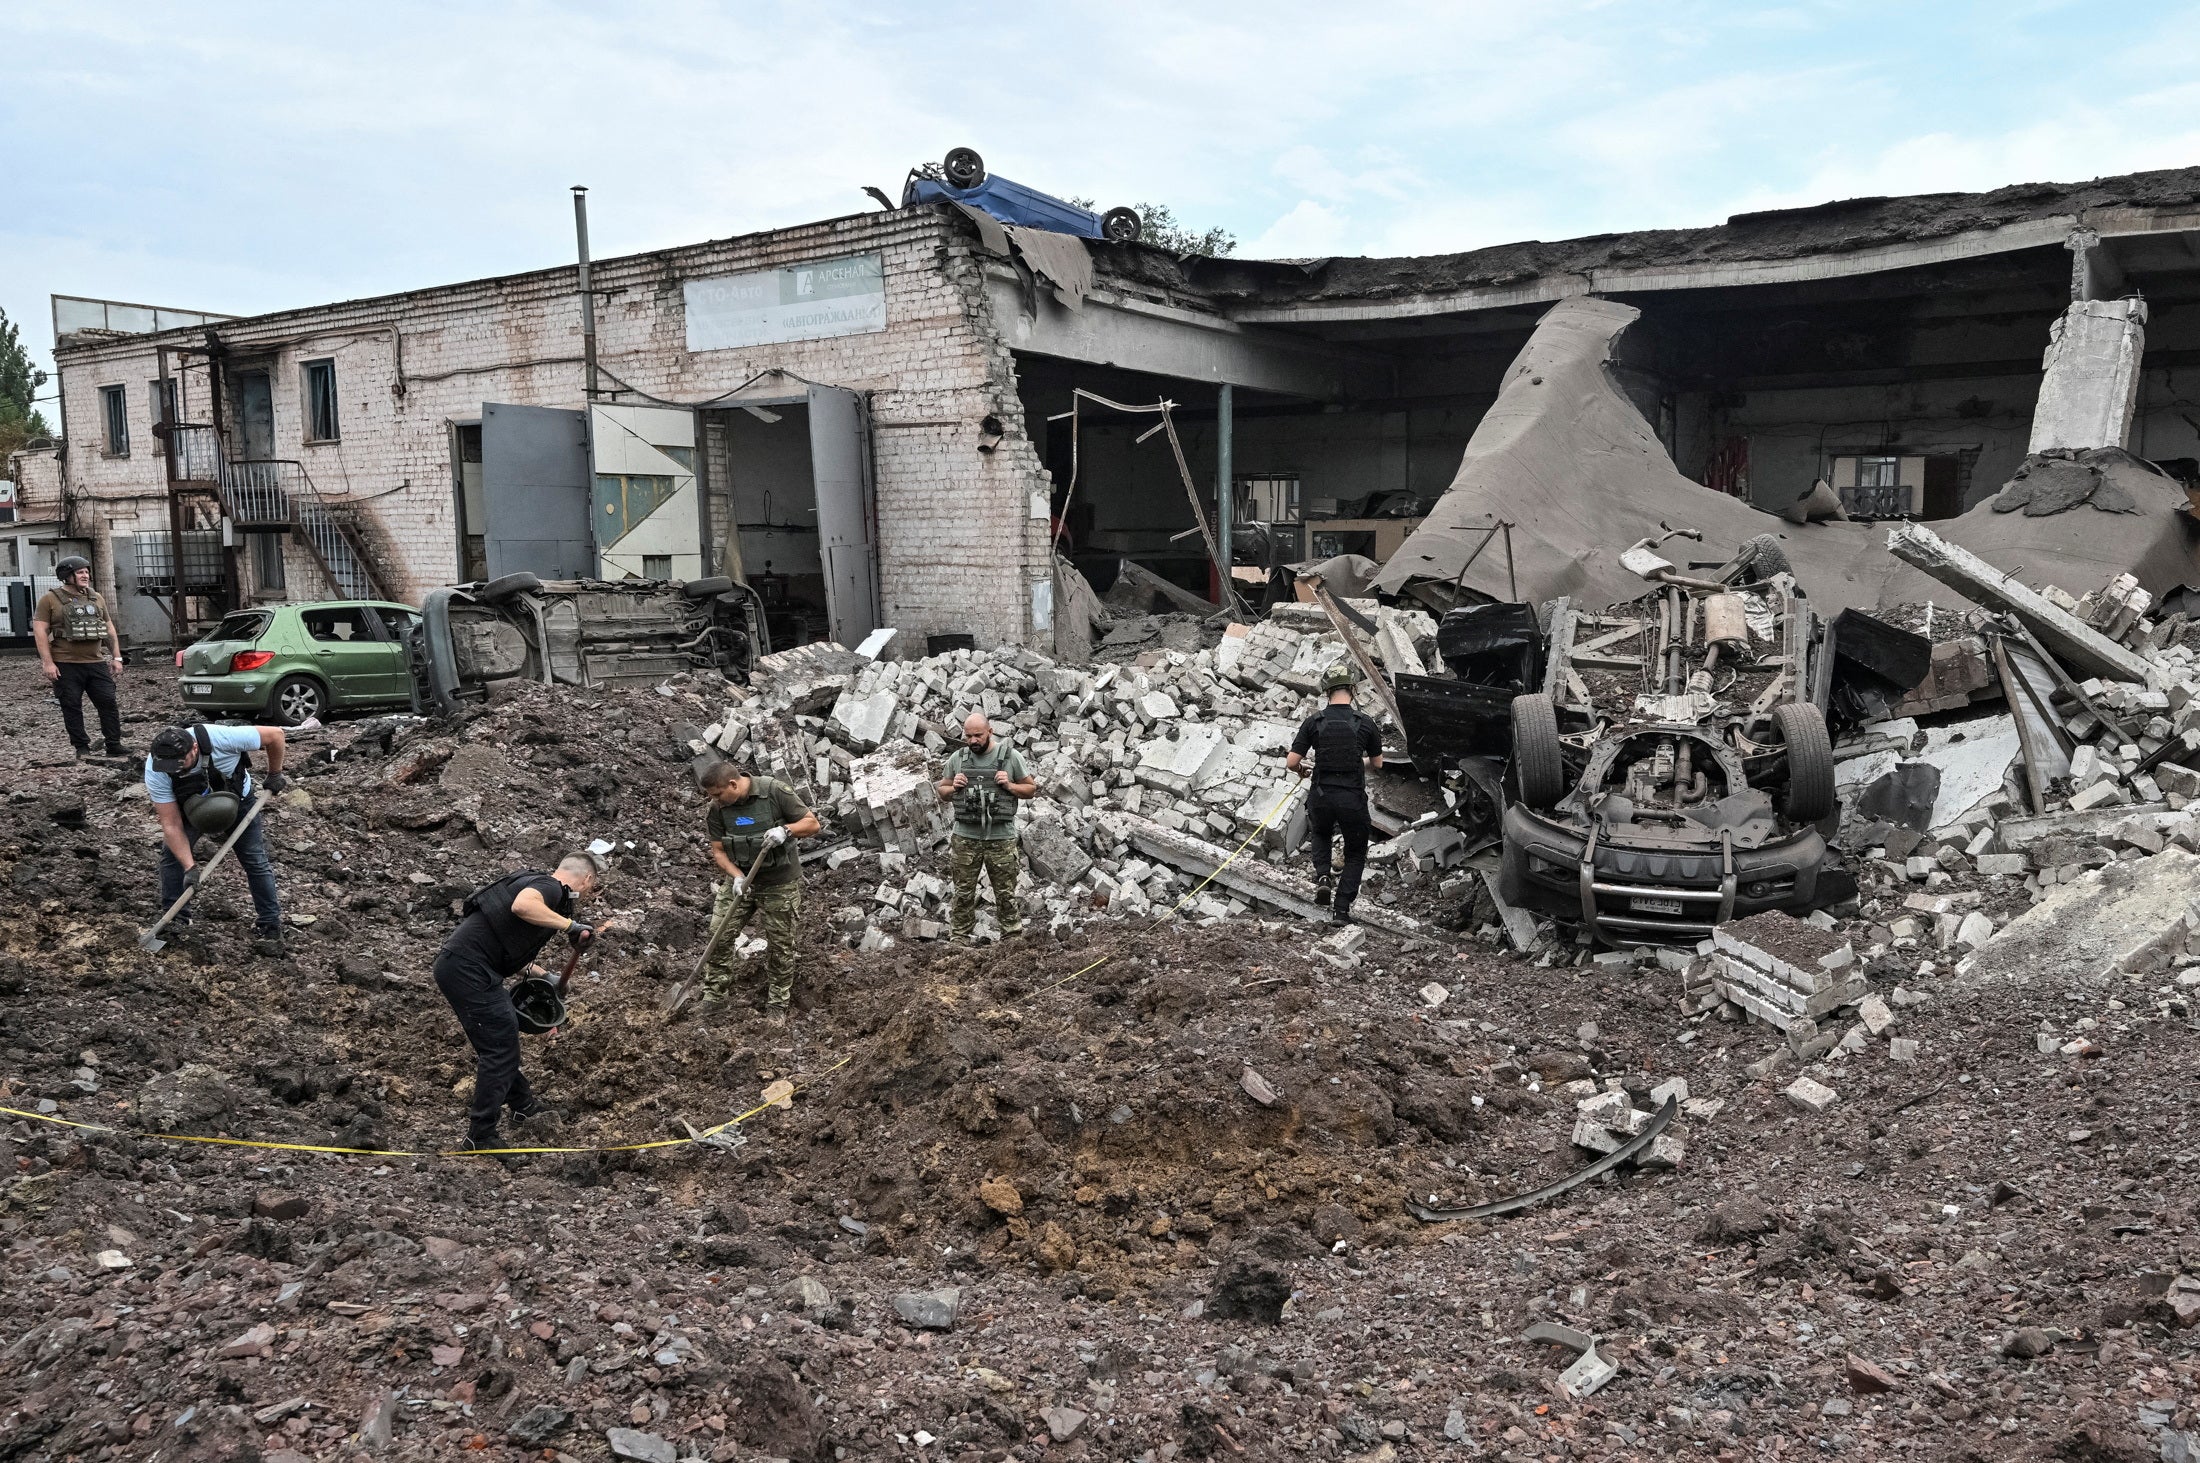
column 506, row 925
column 1345, row 745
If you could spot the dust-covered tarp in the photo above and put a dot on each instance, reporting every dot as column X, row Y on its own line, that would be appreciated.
column 1569, row 461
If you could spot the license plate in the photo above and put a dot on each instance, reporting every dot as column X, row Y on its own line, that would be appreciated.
column 197, row 688
column 1643, row 904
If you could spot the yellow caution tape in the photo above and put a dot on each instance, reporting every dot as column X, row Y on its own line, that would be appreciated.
column 408, row 1152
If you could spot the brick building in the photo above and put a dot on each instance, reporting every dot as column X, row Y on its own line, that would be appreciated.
column 886, row 418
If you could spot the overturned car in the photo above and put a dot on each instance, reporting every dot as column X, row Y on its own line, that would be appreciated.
column 1675, row 768
column 585, row 632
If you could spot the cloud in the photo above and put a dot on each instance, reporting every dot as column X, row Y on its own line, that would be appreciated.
column 1308, row 231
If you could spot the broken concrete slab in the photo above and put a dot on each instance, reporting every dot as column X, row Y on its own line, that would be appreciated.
column 2129, row 916
column 2078, row 644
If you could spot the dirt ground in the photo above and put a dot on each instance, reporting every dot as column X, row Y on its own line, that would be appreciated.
column 1965, row 1256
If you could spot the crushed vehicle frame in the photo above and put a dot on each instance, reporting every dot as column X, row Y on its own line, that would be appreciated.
column 581, row 632
column 1644, row 772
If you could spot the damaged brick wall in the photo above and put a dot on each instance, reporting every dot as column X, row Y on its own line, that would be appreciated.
column 959, row 549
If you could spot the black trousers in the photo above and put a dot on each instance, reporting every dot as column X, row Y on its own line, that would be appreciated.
column 94, row 678
column 484, row 1009
column 1330, row 815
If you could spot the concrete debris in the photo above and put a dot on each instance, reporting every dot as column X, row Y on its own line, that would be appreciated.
column 1187, row 742
column 1810, row 1096
column 1784, row 970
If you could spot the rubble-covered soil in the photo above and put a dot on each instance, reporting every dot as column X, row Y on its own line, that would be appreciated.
column 1971, row 1253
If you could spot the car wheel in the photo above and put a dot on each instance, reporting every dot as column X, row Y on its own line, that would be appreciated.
column 504, row 586
column 1538, row 760
column 963, row 168
column 709, row 588
column 1810, row 761
column 297, row 700
column 1121, row 226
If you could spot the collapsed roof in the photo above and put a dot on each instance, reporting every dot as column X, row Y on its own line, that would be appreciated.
column 1566, row 458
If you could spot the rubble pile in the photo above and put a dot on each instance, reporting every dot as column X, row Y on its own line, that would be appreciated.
column 1192, row 741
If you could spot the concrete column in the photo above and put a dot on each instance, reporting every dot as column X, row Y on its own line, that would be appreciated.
column 2092, row 376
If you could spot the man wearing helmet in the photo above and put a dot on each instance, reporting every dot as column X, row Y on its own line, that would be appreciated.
column 80, row 653
column 1345, row 745
column 200, row 782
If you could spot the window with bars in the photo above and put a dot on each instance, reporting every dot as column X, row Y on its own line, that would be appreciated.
column 319, row 392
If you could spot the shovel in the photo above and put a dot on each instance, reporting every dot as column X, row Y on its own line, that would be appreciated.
column 681, row 996
column 151, row 939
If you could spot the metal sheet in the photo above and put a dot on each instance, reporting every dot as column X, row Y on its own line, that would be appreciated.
column 535, row 492
column 804, row 302
column 847, row 537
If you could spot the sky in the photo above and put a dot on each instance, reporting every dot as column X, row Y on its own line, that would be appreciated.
column 247, row 157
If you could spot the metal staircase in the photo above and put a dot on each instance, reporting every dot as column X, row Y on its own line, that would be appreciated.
column 279, row 493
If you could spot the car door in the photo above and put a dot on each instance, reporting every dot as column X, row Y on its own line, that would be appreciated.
column 347, row 645
column 396, row 621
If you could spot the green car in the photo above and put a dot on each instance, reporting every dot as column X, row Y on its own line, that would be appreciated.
column 285, row 663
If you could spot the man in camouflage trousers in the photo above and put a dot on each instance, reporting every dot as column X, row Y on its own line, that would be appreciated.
column 985, row 780
column 752, row 822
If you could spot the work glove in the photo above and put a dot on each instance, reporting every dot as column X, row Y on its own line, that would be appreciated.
column 579, row 935
column 278, row 782
column 191, row 876
column 773, row 837
column 740, row 885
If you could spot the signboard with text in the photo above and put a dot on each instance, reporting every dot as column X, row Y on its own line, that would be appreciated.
column 803, row 302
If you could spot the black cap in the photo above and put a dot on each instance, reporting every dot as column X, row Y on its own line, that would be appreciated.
column 171, row 745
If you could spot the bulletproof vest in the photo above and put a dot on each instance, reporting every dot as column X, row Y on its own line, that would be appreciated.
column 982, row 802
column 746, row 841
column 83, row 618
column 210, row 802
column 1339, row 764
column 492, row 904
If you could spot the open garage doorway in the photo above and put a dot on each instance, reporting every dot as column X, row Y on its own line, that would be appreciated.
column 790, row 490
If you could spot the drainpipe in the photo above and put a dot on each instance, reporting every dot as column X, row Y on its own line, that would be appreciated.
column 588, row 298
column 1225, row 496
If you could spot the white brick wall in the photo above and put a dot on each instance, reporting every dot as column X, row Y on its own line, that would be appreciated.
column 957, row 548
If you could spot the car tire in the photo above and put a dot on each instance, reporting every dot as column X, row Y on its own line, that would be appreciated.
column 504, row 586
column 709, row 588
column 963, row 168
column 1538, row 759
column 1810, row 795
column 1122, row 226
column 296, row 700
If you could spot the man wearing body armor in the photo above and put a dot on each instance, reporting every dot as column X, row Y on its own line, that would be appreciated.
column 81, row 654
column 1345, row 744
column 199, row 780
column 504, row 928
column 751, row 820
column 986, row 778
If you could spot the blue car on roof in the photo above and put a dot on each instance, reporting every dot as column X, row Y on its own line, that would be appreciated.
column 963, row 179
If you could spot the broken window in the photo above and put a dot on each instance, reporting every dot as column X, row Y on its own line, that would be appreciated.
column 656, row 566
column 320, row 401
column 114, row 412
column 163, row 400
column 1879, row 472
column 340, row 623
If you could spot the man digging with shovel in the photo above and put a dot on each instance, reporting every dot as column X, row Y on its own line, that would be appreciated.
column 199, row 781
column 506, row 925
column 752, row 820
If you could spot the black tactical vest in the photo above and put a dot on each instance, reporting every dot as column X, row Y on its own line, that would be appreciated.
column 1339, row 764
